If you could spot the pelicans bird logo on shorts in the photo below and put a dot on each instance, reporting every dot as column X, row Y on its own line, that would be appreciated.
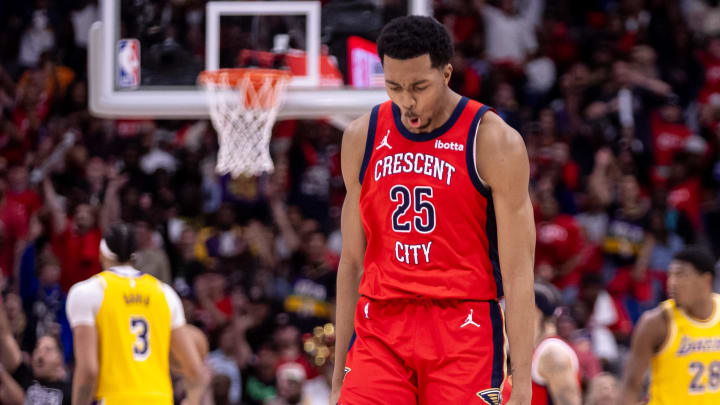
column 491, row 396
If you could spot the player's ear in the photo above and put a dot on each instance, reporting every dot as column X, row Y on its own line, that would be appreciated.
column 447, row 73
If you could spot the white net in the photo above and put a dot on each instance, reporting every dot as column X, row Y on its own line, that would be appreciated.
column 243, row 108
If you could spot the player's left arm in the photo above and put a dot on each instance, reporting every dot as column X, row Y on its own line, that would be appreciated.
column 556, row 367
column 86, row 364
column 82, row 304
column 502, row 162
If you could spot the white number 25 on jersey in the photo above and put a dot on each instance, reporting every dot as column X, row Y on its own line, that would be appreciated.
column 140, row 328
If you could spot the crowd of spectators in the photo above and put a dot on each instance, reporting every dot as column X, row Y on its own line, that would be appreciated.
column 618, row 102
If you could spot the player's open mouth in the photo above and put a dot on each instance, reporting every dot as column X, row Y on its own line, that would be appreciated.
column 414, row 122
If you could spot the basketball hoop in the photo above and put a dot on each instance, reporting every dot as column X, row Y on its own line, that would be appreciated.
column 243, row 107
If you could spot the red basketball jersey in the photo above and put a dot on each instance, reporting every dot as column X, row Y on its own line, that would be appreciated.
column 428, row 217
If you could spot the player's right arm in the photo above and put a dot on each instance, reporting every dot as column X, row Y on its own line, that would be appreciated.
column 86, row 364
column 83, row 303
column 188, row 348
column 648, row 338
column 352, row 254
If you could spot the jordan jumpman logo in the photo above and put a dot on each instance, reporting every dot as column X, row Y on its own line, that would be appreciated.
column 469, row 321
column 384, row 141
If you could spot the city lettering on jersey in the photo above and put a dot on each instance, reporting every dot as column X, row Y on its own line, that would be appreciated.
column 449, row 145
column 689, row 345
column 131, row 299
column 412, row 254
column 418, row 163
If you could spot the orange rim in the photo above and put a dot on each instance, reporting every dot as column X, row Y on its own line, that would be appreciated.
column 257, row 76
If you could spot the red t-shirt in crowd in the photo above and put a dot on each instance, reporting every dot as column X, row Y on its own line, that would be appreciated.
column 711, row 66
column 28, row 199
column 558, row 241
column 79, row 254
column 685, row 197
column 13, row 228
column 667, row 139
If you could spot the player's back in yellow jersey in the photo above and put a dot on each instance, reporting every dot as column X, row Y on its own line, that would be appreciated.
column 134, row 315
column 687, row 368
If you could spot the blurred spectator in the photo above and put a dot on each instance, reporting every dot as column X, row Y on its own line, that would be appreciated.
column 290, row 379
column 214, row 303
column 312, row 282
column 314, row 162
column 43, row 298
column 224, row 241
column 223, row 362
column 150, row 258
column 82, row 19
column 56, row 77
column 260, row 385
column 510, row 30
column 669, row 134
column 603, row 389
column 627, row 223
column 37, row 38
column 20, row 191
column 44, row 380
column 603, row 318
column 13, row 230
column 75, row 240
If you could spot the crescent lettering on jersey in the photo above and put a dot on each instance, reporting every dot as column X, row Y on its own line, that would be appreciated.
column 418, row 163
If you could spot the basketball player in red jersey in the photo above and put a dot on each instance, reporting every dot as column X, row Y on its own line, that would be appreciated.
column 437, row 226
column 555, row 366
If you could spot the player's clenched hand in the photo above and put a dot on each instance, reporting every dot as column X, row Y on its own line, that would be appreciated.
column 334, row 396
column 519, row 398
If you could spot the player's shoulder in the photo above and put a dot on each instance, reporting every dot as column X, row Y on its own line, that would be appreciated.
column 353, row 146
column 92, row 285
column 356, row 132
column 495, row 135
column 500, row 154
column 652, row 328
column 658, row 316
column 556, row 352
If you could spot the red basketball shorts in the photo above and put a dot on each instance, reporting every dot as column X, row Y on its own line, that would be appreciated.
column 425, row 352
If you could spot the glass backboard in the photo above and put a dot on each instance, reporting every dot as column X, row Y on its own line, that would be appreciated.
column 145, row 55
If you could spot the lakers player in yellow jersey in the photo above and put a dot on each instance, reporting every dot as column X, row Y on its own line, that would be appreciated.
column 680, row 340
column 125, row 325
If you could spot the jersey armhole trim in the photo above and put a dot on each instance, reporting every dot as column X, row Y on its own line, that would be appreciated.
column 470, row 153
column 670, row 329
column 369, row 142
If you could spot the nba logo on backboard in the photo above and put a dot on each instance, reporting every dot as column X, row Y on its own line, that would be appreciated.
column 128, row 62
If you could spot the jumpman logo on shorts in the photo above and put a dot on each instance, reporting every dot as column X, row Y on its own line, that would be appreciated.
column 384, row 141
column 469, row 321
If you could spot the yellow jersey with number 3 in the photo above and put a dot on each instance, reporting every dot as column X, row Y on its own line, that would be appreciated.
column 687, row 368
column 133, row 325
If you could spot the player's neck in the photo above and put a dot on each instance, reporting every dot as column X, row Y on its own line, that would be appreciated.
column 547, row 329
column 702, row 309
column 447, row 106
